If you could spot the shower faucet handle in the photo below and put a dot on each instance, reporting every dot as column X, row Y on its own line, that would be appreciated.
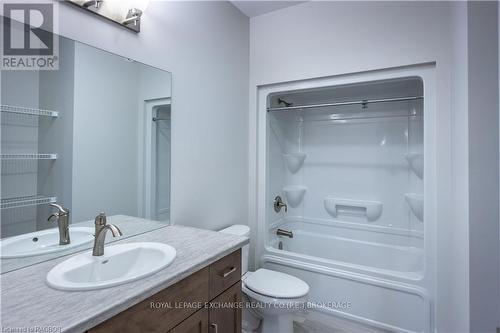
column 278, row 204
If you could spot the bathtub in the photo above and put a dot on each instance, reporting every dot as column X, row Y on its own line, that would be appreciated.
column 374, row 277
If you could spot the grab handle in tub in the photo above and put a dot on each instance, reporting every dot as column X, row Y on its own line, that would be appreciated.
column 372, row 209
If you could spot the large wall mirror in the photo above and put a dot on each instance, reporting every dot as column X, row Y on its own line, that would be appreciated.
column 92, row 136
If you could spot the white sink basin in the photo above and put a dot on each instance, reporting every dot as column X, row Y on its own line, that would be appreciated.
column 120, row 264
column 43, row 242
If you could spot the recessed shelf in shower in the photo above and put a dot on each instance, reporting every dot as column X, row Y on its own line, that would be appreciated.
column 416, row 162
column 416, row 203
column 336, row 206
column 294, row 161
column 294, row 194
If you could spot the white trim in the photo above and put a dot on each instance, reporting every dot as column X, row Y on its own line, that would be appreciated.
column 148, row 147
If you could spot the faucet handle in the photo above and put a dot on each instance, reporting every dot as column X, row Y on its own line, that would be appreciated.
column 100, row 220
column 61, row 209
column 278, row 204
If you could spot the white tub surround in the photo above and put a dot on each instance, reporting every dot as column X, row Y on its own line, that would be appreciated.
column 361, row 237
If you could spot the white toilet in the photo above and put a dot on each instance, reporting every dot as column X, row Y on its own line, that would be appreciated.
column 274, row 296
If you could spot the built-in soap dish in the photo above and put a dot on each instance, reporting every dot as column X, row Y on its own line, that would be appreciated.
column 294, row 161
column 416, row 162
column 416, row 203
column 371, row 209
column 294, row 194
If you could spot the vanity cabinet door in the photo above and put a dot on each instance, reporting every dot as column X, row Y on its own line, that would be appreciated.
column 225, row 311
column 197, row 323
column 224, row 273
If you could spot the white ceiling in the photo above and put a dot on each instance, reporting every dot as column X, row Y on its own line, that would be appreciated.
column 255, row 8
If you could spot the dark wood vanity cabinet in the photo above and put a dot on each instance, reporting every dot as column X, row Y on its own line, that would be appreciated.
column 223, row 319
column 196, row 323
column 216, row 318
column 209, row 300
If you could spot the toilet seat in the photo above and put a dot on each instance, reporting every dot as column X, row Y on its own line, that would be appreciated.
column 272, row 301
column 274, row 284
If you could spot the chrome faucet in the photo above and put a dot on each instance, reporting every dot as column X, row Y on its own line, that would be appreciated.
column 62, row 218
column 100, row 233
column 278, row 204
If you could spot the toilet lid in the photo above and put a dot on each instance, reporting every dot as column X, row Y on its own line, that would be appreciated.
column 276, row 284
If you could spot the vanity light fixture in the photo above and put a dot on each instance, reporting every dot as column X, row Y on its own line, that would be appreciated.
column 127, row 13
column 92, row 3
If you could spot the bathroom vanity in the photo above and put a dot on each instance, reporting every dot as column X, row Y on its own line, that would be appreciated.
column 209, row 297
column 195, row 293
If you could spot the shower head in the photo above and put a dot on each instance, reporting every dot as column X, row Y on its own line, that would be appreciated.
column 282, row 101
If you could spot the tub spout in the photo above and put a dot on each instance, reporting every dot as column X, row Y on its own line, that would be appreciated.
column 282, row 232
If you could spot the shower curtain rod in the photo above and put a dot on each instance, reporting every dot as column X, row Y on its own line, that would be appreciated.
column 362, row 102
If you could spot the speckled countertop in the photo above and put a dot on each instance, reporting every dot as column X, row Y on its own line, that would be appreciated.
column 28, row 302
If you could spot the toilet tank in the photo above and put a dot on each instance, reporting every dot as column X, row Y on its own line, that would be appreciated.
column 240, row 230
